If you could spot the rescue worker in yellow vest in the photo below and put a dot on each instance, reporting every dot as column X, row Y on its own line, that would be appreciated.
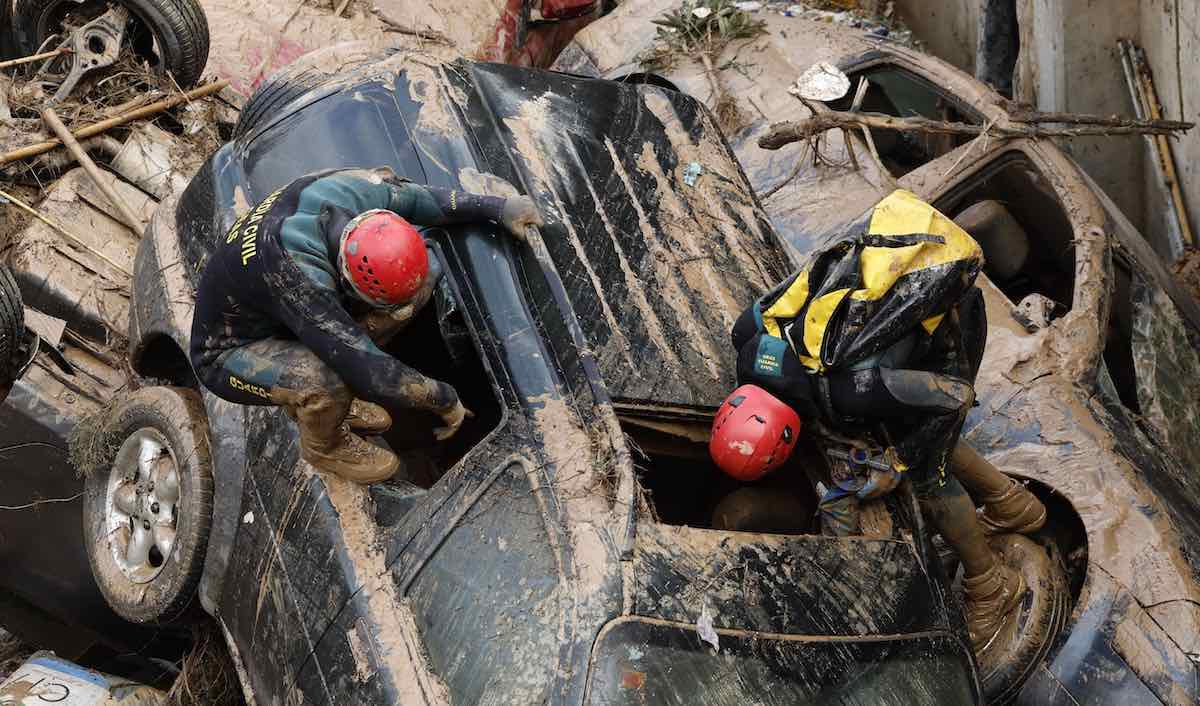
column 879, row 338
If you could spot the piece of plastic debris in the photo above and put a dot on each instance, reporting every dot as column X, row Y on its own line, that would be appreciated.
column 821, row 82
column 692, row 173
column 748, row 6
column 793, row 10
column 248, row 518
column 701, row 12
column 704, row 626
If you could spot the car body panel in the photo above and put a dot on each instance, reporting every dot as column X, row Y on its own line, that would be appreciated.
column 499, row 577
column 1048, row 408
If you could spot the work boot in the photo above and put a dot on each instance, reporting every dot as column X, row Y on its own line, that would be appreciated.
column 1007, row 505
column 992, row 591
column 991, row 600
column 326, row 441
column 368, row 417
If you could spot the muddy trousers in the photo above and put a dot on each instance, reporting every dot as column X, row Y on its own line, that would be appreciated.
column 287, row 374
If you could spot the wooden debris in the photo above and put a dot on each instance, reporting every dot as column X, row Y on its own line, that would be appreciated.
column 57, row 228
column 786, row 133
column 1037, row 117
column 33, row 58
column 105, row 125
column 1147, row 105
column 341, row 8
column 56, row 126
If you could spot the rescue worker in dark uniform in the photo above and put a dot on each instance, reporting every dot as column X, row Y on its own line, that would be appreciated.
column 881, row 337
column 297, row 298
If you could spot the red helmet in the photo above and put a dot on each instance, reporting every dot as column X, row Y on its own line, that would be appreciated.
column 383, row 258
column 753, row 433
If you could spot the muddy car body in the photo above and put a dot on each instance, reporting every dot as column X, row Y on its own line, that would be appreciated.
column 1096, row 406
column 530, row 565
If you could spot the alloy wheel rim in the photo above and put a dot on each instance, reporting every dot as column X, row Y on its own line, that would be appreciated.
column 142, row 506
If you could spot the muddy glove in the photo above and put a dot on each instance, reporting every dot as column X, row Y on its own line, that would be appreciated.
column 882, row 481
column 453, row 419
column 518, row 214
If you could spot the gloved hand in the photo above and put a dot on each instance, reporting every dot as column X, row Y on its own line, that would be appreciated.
column 879, row 483
column 453, row 419
column 518, row 214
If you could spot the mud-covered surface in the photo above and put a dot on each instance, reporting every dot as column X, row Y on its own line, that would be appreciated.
column 257, row 39
column 1168, row 372
column 608, row 166
column 789, row 585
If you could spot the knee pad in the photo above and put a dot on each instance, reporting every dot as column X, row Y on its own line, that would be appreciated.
column 929, row 391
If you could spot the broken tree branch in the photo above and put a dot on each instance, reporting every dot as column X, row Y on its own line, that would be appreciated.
column 33, row 58
column 56, row 126
column 47, row 501
column 337, row 12
column 786, row 133
column 105, row 125
column 1085, row 119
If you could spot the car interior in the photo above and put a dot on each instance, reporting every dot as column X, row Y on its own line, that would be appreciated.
column 899, row 93
column 447, row 353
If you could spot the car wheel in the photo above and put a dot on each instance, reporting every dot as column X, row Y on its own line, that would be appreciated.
column 148, row 504
column 170, row 33
column 12, row 329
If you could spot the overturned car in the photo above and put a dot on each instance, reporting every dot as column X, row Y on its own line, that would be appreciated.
column 1087, row 387
column 573, row 543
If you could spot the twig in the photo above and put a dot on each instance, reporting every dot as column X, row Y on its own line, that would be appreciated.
column 800, row 164
column 33, row 58
column 786, row 133
column 105, row 125
column 341, row 8
column 983, row 137
column 76, row 240
column 394, row 26
column 47, row 501
column 56, row 126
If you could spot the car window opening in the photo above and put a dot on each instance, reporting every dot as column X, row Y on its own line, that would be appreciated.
column 893, row 91
column 447, row 353
column 1118, row 341
column 1024, row 231
column 684, row 487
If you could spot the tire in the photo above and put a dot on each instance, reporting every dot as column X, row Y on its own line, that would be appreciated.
column 123, row 491
column 179, row 26
column 309, row 72
column 273, row 94
column 12, row 328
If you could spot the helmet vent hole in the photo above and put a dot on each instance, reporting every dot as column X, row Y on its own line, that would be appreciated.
column 364, row 258
column 360, row 268
column 370, row 271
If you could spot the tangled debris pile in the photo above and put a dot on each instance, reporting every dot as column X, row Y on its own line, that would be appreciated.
column 13, row 652
column 876, row 17
column 208, row 676
column 700, row 30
